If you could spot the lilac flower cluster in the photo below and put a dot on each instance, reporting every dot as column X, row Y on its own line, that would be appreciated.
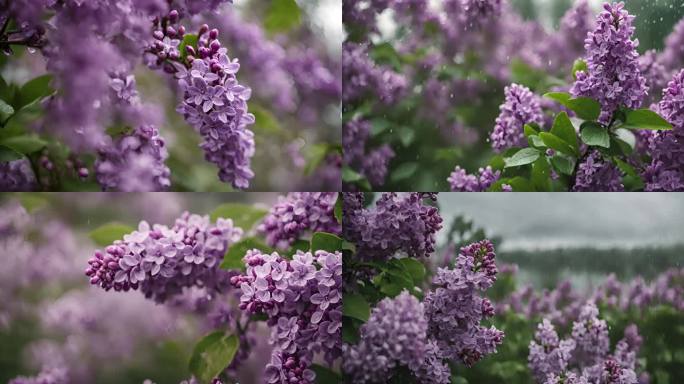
column 477, row 12
column 672, row 56
column 48, row 376
column 299, row 213
column 302, row 298
column 613, row 77
column 568, row 43
column 666, row 171
column 654, row 73
column 214, row 103
column 425, row 337
column 17, row 176
column 596, row 174
column 134, row 162
column 587, row 351
column 521, row 107
column 372, row 164
column 397, row 223
column 361, row 76
column 161, row 261
column 460, row 181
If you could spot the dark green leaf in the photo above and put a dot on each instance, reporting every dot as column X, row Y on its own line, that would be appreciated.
column 626, row 140
column 595, row 135
column 281, row 16
column 578, row 65
column 523, row 157
column 8, row 154
column 24, row 144
column 645, row 119
column 243, row 215
column 212, row 355
column 33, row 90
column 235, row 253
column 563, row 128
column 536, row 141
column 541, row 174
column 326, row 242
column 520, row 184
column 415, row 269
column 406, row 136
column 189, row 39
column 350, row 176
column 385, row 54
column 338, row 208
column 326, row 375
column 554, row 142
column 378, row 126
column 404, row 171
column 529, row 130
column 563, row 164
column 118, row 130
column 356, row 306
column 265, row 123
column 561, row 97
column 108, row 233
column 350, row 332
column 585, row 108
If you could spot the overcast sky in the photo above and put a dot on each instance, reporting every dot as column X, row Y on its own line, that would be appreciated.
column 552, row 220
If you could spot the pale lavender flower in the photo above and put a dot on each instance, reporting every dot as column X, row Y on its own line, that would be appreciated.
column 460, row 181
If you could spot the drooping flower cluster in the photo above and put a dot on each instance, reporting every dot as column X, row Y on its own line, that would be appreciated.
column 299, row 213
column 214, row 103
column 596, row 174
column 672, row 56
column 613, row 77
column 17, row 176
column 134, row 162
column 666, row 171
column 425, row 337
column 372, row 164
column 161, row 261
column 584, row 358
column 460, row 181
column 361, row 76
column 397, row 223
column 302, row 298
column 521, row 107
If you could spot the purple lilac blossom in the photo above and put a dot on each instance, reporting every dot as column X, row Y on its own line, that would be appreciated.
column 590, row 335
column 394, row 335
column 596, row 174
column 478, row 12
column 214, row 103
column 460, row 181
column 455, row 309
column 398, row 223
column 48, row 376
column 17, row 176
column 373, row 164
column 302, row 298
column 672, row 56
column 521, row 107
column 161, row 261
column 666, row 171
column 299, row 213
column 361, row 76
column 613, row 77
column 654, row 73
column 548, row 354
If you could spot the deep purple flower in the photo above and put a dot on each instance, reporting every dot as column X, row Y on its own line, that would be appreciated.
column 596, row 174
column 521, row 107
column 17, row 176
column 613, row 77
column 460, row 181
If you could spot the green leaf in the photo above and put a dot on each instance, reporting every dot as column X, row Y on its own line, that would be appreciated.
column 325, row 375
column 233, row 257
column 379, row 126
column 108, row 233
column 265, row 123
column 523, row 157
column 119, row 130
column 645, row 119
column 415, row 269
column 584, row 107
column 32, row 201
column 563, row 164
column 350, row 176
column 541, row 174
column 315, row 154
column 243, row 215
column 338, row 208
column 34, row 90
column 626, row 140
column 563, row 128
column 554, row 142
column 8, row 154
column 190, row 39
column 281, row 16
column 356, row 306
column 385, row 54
column 535, row 141
column 326, row 242
column 406, row 136
column 404, row 171
column 24, row 144
column 5, row 109
column 530, row 131
column 212, row 355
column 578, row 65
column 595, row 135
